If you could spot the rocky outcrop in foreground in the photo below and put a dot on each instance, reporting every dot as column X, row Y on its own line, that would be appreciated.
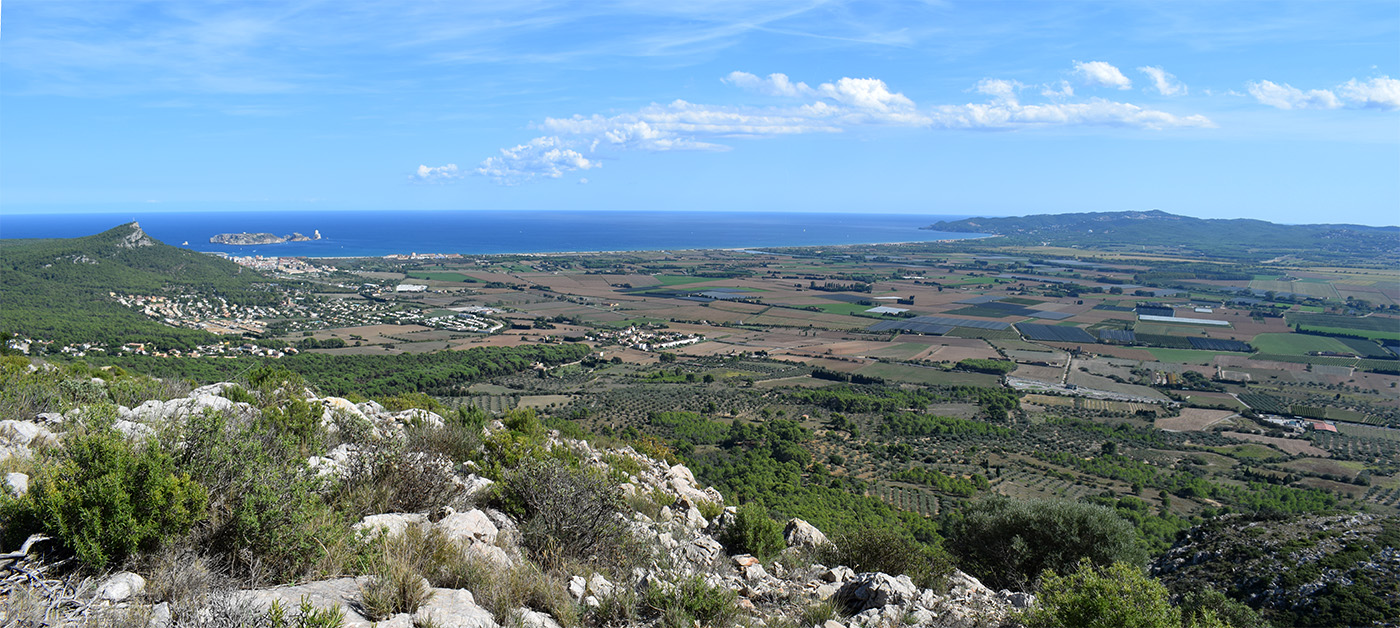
column 686, row 540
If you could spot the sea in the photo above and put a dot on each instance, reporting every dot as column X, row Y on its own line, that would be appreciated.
column 378, row 233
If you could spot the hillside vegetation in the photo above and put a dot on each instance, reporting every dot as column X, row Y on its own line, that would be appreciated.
column 60, row 289
column 1238, row 240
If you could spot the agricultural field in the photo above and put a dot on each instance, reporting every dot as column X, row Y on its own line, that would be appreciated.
column 747, row 384
column 1298, row 344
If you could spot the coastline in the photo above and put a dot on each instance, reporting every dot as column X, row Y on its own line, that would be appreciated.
column 731, row 249
column 487, row 232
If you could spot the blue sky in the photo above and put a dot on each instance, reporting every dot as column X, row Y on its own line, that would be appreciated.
column 1285, row 111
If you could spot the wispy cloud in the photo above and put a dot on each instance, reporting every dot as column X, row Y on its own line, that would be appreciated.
column 838, row 106
column 1101, row 74
column 1375, row 93
column 1165, row 83
column 1289, row 97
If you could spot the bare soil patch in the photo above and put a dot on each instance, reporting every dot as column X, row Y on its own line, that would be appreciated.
column 1288, row 445
column 1192, row 420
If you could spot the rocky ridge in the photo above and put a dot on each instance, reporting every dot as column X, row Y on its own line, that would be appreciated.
column 687, row 540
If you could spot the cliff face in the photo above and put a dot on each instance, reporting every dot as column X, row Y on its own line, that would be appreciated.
column 670, row 524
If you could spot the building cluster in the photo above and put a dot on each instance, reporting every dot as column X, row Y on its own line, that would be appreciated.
column 283, row 265
column 212, row 314
column 422, row 256
column 644, row 339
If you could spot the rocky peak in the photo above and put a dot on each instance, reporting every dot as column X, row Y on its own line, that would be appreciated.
column 137, row 237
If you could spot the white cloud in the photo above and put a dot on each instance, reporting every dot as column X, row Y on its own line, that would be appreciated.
column 574, row 143
column 540, row 157
column 1102, row 74
column 1164, row 81
column 1095, row 112
column 865, row 94
column 1288, row 97
column 1062, row 90
column 1380, row 93
column 999, row 89
column 437, row 174
column 774, row 85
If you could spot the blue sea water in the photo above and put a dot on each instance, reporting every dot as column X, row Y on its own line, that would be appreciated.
column 378, row 233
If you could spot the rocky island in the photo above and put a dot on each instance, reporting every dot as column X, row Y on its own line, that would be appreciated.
column 247, row 239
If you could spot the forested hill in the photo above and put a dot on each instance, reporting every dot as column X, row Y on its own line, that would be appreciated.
column 59, row 289
column 1240, row 239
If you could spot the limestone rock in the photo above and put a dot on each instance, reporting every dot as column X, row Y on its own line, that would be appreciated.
column 799, row 533
column 160, row 616
column 472, row 526
column 877, row 590
column 335, row 463
column 491, row 553
column 476, row 486
column 838, row 574
column 121, row 587
column 17, row 484
column 133, row 430
column 24, row 433
column 392, row 524
column 453, row 608
column 534, row 619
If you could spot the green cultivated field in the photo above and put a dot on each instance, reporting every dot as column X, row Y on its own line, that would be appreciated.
column 1297, row 344
column 1319, row 289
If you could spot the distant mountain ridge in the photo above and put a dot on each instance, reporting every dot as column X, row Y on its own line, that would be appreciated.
column 1234, row 239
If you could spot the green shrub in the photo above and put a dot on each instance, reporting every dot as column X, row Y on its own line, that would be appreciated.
column 692, row 602
column 890, row 551
column 709, row 510
column 411, row 401
column 299, row 421
column 238, row 394
column 753, row 532
column 270, row 519
column 1007, row 543
column 395, row 588
column 306, row 616
column 818, row 613
column 1116, row 596
column 394, row 478
column 523, row 421
column 1202, row 606
column 455, row 441
column 567, row 512
column 105, row 501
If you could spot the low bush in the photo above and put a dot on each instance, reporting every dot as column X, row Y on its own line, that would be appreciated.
column 568, row 513
column 104, row 499
column 269, row 518
column 692, row 602
column 395, row 588
column 1116, row 596
column 753, row 532
column 709, row 510
column 305, row 616
column 396, row 478
column 890, row 551
column 1008, row 543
